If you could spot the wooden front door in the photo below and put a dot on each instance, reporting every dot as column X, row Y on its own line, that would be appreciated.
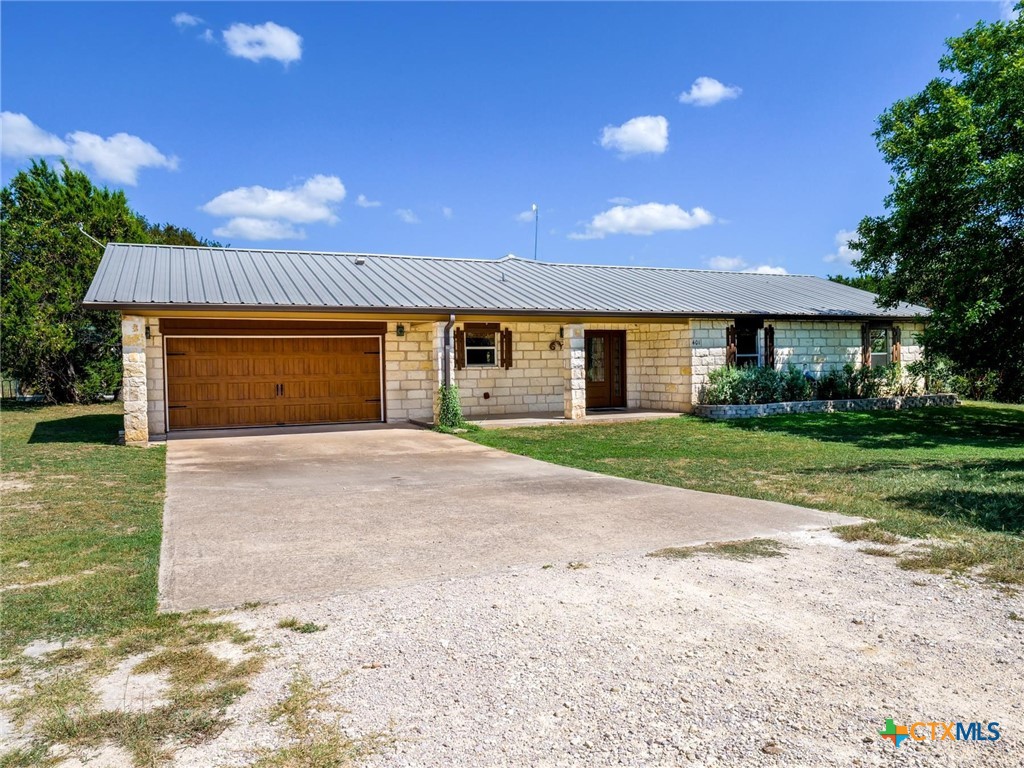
column 606, row 369
column 261, row 381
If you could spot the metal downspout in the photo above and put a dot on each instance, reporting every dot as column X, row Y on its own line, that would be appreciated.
column 447, row 350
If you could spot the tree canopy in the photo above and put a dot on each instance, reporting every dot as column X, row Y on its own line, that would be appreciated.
column 50, row 342
column 952, row 237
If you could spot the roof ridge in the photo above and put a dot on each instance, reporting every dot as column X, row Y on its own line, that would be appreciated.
column 510, row 257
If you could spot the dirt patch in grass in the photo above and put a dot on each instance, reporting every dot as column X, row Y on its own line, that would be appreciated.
column 90, row 669
column 302, row 627
column 745, row 550
column 872, row 532
column 312, row 734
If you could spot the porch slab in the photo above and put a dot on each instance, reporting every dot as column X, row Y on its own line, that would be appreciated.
column 512, row 420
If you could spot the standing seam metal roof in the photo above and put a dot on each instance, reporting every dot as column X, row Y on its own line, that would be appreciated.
column 135, row 276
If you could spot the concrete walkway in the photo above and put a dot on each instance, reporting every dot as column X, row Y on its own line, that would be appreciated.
column 307, row 514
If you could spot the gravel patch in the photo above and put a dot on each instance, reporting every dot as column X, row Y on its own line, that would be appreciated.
column 793, row 661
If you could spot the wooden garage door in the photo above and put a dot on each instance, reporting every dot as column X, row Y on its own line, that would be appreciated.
column 235, row 382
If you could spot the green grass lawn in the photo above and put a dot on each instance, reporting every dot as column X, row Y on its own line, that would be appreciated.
column 82, row 523
column 955, row 475
column 81, row 519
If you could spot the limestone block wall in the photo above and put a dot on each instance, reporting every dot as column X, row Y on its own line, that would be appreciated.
column 536, row 382
column 156, row 410
column 658, row 366
column 816, row 346
column 133, row 387
column 412, row 370
column 707, row 350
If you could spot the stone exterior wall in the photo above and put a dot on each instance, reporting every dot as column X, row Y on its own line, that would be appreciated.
column 666, row 365
column 658, row 363
column 707, row 345
column 412, row 370
column 133, row 388
column 536, row 382
column 155, row 386
column 824, row 406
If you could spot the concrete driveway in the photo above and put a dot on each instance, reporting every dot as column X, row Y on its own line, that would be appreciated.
column 283, row 516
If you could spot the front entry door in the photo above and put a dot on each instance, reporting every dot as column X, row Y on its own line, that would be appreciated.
column 606, row 369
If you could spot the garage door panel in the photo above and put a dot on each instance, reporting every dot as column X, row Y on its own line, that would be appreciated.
column 219, row 382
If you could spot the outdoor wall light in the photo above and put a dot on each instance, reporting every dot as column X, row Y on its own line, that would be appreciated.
column 561, row 331
column 400, row 330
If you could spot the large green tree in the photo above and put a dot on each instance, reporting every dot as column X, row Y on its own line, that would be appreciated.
column 50, row 342
column 952, row 237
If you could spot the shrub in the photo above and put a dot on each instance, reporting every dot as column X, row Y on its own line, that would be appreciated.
column 750, row 386
column 796, row 385
column 449, row 413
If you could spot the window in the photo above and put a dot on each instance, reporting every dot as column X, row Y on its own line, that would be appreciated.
column 879, row 347
column 481, row 346
column 747, row 343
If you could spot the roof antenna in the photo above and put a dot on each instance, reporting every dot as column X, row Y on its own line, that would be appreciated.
column 81, row 228
column 536, row 228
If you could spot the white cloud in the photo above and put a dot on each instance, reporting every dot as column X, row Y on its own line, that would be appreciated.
column 364, row 202
column 645, row 219
column 526, row 217
column 739, row 264
column 183, row 19
column 727, row 263
column 1007, row 10
column 248, row 228
column 207, row 36
column 407, row 216
column 706, row 92
column 263, row 41
column 621, row 200
column 648, row 134
column 20, row 137
column 844, row 254
column 314, row 201
column 117, row 158
column 447, row 212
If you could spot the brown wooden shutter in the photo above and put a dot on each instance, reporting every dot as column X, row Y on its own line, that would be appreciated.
column 730, row 345
column 769, row 346
column 865, row 344
column 506, row 348
column 460, row 349
column 897, row 344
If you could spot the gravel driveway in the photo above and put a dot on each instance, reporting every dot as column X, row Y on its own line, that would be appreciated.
column 793, row 661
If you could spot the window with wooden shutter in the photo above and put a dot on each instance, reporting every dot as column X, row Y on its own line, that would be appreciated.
column 897, row 344
column 506, row 348
column 730, row 345
column 460, row 349
column 483, row 345
column 769, row 346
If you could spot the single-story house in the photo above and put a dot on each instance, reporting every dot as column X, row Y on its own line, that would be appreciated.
column 231, row 337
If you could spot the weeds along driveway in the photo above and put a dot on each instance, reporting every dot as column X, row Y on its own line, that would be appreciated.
column 256, row 517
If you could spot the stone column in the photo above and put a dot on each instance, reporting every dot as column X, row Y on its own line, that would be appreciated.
column 133, row 387
column 575, row 355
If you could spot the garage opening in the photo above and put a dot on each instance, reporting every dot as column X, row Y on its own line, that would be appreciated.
column 235, row 377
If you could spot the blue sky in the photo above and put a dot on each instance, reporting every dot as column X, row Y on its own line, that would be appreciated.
column 431, row 128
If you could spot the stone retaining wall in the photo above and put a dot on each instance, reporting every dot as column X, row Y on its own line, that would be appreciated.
column 823, row 406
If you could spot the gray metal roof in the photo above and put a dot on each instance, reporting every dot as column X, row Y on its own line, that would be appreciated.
column 133, row 276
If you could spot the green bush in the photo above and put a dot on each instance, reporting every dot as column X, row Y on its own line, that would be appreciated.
column 449, row 414
column 749, row 386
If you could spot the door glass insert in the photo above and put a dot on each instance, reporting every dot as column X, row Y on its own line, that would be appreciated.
column 595, row 359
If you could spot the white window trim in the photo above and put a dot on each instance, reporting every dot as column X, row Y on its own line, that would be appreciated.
column 886, row 354
column 493, row 347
